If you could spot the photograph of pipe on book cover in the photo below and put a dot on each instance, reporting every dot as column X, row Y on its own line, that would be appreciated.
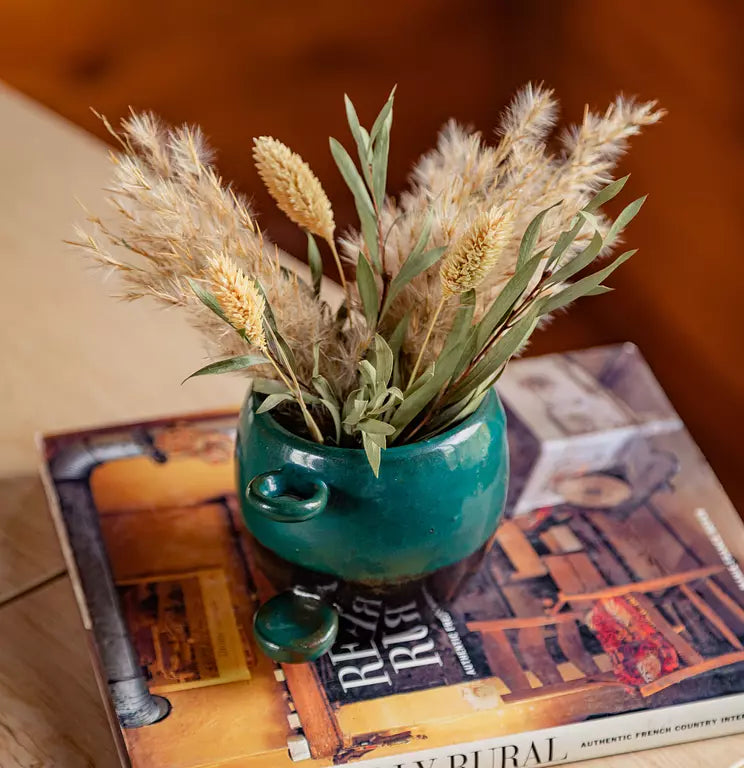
column 606, row 608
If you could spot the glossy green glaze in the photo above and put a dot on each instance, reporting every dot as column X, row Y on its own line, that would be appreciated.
column 295, row 627
column 320, row 507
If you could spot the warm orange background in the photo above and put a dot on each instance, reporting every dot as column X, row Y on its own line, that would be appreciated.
column 244, row 68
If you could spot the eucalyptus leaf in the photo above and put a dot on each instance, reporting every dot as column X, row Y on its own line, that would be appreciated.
column 499, row 354
column 268, row 314
column 239, row 363
column 600, row 290
column 380, row 161
column 383, row 361
column 369, row 374
column 367, row 286
column 417, row 397
column 282, row 348
column 361, row 138
column 626, row 216
column 315, row 262
column 582, row 287
column 579, row 262
column 331, row 405
column 606, row 194
column 399, row 334
column 505, row 301
column 531, row 234
column 362, row 200
column 351, row 398
column 268, row 387
column 469, row 350
column 355, row 413
column 324, row 389
column 590, row 218
column 272, row 401
column 564, row 241
column 208, row 299
column 387, row 108
column 414, row 265
column 373, row 451
column 374, row 426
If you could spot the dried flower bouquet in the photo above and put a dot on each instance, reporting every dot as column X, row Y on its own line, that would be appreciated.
column 452, row 278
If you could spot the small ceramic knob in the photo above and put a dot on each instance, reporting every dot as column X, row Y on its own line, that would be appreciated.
column 295, row 626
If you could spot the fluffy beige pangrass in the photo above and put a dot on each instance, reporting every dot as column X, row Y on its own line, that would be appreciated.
column 465, row 176
column 173, row 221
column 172, row 217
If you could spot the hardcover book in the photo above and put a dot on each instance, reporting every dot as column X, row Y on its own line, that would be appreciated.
column 608, row 616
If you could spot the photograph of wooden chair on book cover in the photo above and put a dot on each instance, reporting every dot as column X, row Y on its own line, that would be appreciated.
column 603, row 592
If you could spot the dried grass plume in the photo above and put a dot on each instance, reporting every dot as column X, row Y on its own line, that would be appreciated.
column 294, row 186
column 238, row 298
column 477, row 251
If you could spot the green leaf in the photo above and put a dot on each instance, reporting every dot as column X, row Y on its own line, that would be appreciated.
column 579, row 262
column 531, row 234
column 367, row 285
column 361, row 138
column 377, row 427
column 600, row 290
column 383, row 362
column 349, row 402
column 272, row 401
column 582, row 287
column 269, row 387
column 499, row 354
column 239, row 363
column 362, row 200
column 455, row 413
column 417, row 397
column 268, row 313
column 355, row 413
column 208, row 299
column 469, row 350
column 324, row 389
column 316, row 263
column 374, row 452
column 369, row 374
column 564, row 241
column 283, row 349
column 380, row 161
column 330, row 401
column 414, row 265
column 626, row 216
column 590, row 218
column 606, row 194
column 505, row 301
column 387, row 108
column 399, row 334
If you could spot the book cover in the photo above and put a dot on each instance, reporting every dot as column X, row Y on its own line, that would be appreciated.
column 608, row 615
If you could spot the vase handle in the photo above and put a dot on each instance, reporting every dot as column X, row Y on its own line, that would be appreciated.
column 287, row 495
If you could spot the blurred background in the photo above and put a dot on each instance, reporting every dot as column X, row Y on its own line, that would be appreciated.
column 242, row 69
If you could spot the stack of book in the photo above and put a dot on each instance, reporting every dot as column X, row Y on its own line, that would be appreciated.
column 607, row 617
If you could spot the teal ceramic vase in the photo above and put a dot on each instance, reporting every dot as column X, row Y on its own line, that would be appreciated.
column 435, row 503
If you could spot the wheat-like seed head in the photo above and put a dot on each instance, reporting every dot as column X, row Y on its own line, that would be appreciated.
column 238, row 297
column 294, row 186
column 476, row 252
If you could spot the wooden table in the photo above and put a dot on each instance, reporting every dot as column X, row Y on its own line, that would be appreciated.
column 73, row 357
